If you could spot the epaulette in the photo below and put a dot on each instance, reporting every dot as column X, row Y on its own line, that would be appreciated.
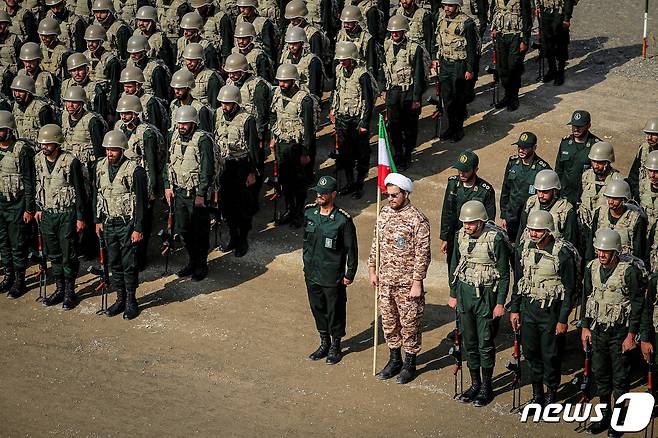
column 566, row 137
column 346, row 214
column 513, row 157
column 310, row 205
column 542, row 163
column 485, row 185
column 453, row 177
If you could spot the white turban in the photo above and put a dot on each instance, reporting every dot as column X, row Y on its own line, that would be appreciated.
column 397, row 179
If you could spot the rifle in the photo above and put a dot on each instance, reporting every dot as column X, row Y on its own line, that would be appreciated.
column 42, row 275
column 456, row 352
column 650, row 362
column 514, row 366
column 584, row 382
column 537, row 45
column 215, row 222
column 167, row 236
column 103, row 274
column 436, row 100
column 273, row 182
column 493, row 71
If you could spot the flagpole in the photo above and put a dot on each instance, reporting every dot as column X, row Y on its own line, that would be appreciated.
column 376, row 321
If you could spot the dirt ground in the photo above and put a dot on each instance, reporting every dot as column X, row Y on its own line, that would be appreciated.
column 227, row 356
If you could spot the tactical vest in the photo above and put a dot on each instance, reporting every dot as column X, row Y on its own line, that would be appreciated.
column 147, row 114
column 17, row 26
column 551, row 5
column 252, row 56
column 149, row 68
column 230, row 135
column 156, row 42
column 365, row 7
column 89, row 87
column 314, row 16
column 347, row 98
column 77, row 139
column 115, row 199
column 11, row 181
column 609, row 303
column 55, row 192
column 247, row 92
column 135, row 150
column 288, row 126
column 559, row 211
column 8, row 56
column 625, row 225
column 477, row 266
column 196, row 104
column 361, row 42
column 52, row 59
column 398, row 69
column 212, row 30
column 67, row 28
column 270, row 9
column 43, row 83
column 27, row 121
column 112, row 32
column 415, row 32
column 649, row 202
column 507, row 17
column 541, row 279
column 201, row 79
column 97, row 68
column 168, row 18
column 592, row 196
column 182, row 42
column 258, row 23
column 126, row 10
column 303, row 67
column 451, row 37
column 184, row 168
column 644, row 182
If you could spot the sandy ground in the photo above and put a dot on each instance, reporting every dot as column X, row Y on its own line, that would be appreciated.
column 227, row 356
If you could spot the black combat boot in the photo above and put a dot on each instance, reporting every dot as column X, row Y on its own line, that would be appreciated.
column 552, row 71
column 538, row 394
column 335, row 355
column 349, row 187
column 408, row 369
column 513, row 103
column 393, row 366
column 57, row 296
column 485, row 395
column 476, row 382
column 559, row 76
column 6, row 283
column 119, row 305
column 287, row 215
column 323, row 349
column 502, row 103
column 551, row 396
column 603, row 425
column 70, row 298
column 187, row 270
column 243, row 245
column 448, row 132
column 201, row 270
column 232, row 241
column 132, row 309
column 358, row 188
column 17, row 289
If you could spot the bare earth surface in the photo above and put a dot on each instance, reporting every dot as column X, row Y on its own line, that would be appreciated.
column 227, row 356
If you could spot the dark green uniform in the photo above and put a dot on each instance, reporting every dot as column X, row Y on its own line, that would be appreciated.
column 572, row 160
column 159, row 78
column 637, row 172
column 330, row 254
column 554, row 36
column 649, row 327
column 566, row 224
column 518, row 186
column 637, row 244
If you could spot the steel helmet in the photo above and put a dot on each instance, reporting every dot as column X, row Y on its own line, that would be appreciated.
column 229, row 93
column 651, row 127
column 602, row 151
column 23, row 83
column 346, row 50
column 183, row 78
column 351, row 13
column 76, row 60
column 30, row 51
column 95, row 32
column 296, row 9
column 48, row 26
column 287, row 72
column 200, row 3
column 138, row 43
column 75, row 94
column 129, row 103
column 247, row 3
column 398, row 23
column 194, row 51
column 191, row 20
column 115, row 139
column 52, row 2
column 131, row 74
column 50, row 133
column 473, row 211
column 7, row 120
column 102, row 5
column 652, row 161
column 452, row 2
column 147, row 13
column 540, row 220
column 236, row 62
column 186, row 114
column 244, row 29
column 607, row 240
column 296, row 34
column 617, row 188
column 547, row 179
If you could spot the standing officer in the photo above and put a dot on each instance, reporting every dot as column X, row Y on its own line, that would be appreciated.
column 121, row 198
column 480, row 278
column 546, row 271
column 61, row 203
column 293, row 141
column 182, row 82
column 366, row 44
column 405, row 82
column 23, row 21
column 45, row 83
column 649, row 202
column 17, row 207
column 637, row 177
column 330, row 257
column 188, row 182
column 351, row 110
column 614, row 296
column 404, row 256
column 572, row 156
column 54, row 51
column 511, row 27
column 554, row 23
column 207, row 81
column 235, row 133
column 146, row 22
column 156, row 73
column 463, row 187
column 31, row 112
column 457, row 57
column 518, row 182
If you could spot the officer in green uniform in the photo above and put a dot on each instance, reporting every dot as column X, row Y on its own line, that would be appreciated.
column 546, row 271
column 17, row 207
column 518, row 182
column 120, row 199
column 421, row 25
column 614, row 297
column 297, row 12
column 554, row 23
column 351, row 110
column 463, row 187
column 265, row 29
column 45, row 83
column 457, row 57
column 189, row 179
column 511, row 27
column 207, row 81
column 118, row 32
column 235, row 133
column 637, row 176
column 146, row 22
column 10, row 46
column 61, row 201
column 330, row 255
column 182, row 83
column 480, row 278
column 31, row 112
column 649, row 202
column 156, row 73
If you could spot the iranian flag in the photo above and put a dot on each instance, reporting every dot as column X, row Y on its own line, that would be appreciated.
column 385, row 164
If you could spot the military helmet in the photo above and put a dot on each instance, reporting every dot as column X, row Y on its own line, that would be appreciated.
column 199, row 3
column 398, row 23
column 147, row 13
column 473, row 211
column 192, row 20
column 617, row 188
column 131, row 74
column 652, row 161
column 183, row 78
column 602, row 151
column 76, row 60
column 651, row 127
column 296, row 9
column 607, row 240
column 193, row 51
column 4, row 17
column 129, row 103
column 351, row 13
column 452, row 2
column 236, row 62
column 296, row 34
column 30, row 51
column 346, row 50
column 75, row 94
column 95, row 32
column 186, row 114
column 103, row 5
column 23, row 83
column 138, row 43
column 7, row 120
column 115, row 139
column 244, row 29
column 48, row 26
column 541, row 220
column 229, row 93
column 247, row 3
column 287, row 72
column 547, row 179
column 50, row 133
column 52, row 2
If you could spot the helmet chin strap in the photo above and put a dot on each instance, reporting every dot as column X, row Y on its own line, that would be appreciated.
column 546, row 233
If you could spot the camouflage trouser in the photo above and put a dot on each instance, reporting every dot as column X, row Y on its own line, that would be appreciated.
column 401, row 317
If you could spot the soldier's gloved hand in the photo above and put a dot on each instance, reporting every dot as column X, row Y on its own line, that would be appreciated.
column 647, row 350
column 629, row 343
column 561, row 329
column 452, row 302
column 585, row 337
column 498, row 311
column 515, row 320
column 416, row 289
column 79, row 226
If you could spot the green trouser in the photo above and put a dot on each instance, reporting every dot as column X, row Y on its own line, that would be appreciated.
column 454, row 90
column 477, row 324
column 13, row 235
column 328, row 308
column 542, row 348
column 193, row 224
column 611, row 367
column 292, row 176
column 554, row 38
column 122, row 253
column 353, row 148
column 509, row 62
column 59, row 242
